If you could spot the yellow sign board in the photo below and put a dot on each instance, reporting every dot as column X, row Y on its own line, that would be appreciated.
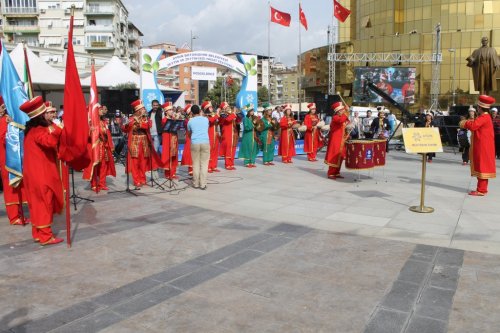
column 422, row 140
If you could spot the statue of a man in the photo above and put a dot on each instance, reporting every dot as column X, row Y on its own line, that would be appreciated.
column 484, row 63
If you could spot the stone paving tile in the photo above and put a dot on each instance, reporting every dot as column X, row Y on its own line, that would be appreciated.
column 426, row 325
column 387, row 321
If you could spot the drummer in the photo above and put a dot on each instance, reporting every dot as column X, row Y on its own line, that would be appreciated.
column 336, row 151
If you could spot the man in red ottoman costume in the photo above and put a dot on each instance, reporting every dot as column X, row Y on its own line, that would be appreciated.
column 482, row 146
column 312, row 138
column 336, row 150
column 44, row 186
column 230, row 135
column 141, row 157
column 213, row 136
column 102, row 164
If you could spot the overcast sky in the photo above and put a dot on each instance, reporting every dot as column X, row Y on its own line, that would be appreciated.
column 225, row 26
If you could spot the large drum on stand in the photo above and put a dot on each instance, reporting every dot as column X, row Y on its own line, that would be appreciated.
column 379, row 151
column 359, row 154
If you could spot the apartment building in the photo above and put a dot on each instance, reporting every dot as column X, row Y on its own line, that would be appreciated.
column 101, row 28
column 134, row 44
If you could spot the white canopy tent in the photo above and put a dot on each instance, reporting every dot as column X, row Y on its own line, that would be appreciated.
column 115, row 72
column 43, row 76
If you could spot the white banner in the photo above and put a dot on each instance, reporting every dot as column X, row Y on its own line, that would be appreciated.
column 203, row 73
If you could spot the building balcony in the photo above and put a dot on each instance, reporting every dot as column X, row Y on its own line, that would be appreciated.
column 133, row 50
column 21, row 28
column 132, row 36
column 99, row 28
column 20, row 11
column 101, row 10
column 96, row 46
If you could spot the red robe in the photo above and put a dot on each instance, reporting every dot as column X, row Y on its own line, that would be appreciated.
column 286, row 147
column 141, row 157
column 482, row 147
column 97, row 171
column 213, row 136
column 169, row 151
column 186, row 153
column 229, row 140
column 312, row 138
column 336, row 150
column 12, row 195
column 41, row 176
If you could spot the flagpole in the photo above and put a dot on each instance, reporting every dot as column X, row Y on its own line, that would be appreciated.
column 300, row 65
column 27, row 64
column 66, row 172
column 269, row 53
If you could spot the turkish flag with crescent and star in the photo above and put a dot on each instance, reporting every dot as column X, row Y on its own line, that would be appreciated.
column 341, row 13
column 302, row 17
column 280, row 17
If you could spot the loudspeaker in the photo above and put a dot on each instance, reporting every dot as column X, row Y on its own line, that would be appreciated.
column 119, row 99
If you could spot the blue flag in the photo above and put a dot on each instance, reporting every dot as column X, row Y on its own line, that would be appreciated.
column 13, row 93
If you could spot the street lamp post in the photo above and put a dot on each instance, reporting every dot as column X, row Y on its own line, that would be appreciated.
column 453, row 94
column 193, row 37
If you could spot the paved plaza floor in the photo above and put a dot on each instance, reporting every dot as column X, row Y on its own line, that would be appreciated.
column 271, row 249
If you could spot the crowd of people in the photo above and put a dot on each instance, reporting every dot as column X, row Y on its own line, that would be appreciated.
column 152, row 144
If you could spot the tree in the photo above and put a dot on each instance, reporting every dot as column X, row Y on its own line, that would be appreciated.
column 229, row 90
column 263, row 95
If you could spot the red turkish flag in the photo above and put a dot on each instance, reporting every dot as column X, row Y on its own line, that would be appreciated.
column 75, row 134
column 341, row 13
column 280, row 17
column 302, row 17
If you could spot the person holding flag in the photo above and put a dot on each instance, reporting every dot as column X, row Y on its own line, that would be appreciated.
column 12, row 195
column 41, row 172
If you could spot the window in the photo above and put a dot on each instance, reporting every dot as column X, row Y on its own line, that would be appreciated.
column 186, row 80
column 186, row 69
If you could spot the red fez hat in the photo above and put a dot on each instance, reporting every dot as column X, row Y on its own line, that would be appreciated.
column 187, row 108
column 167, row 105
column 205, row 105
column 137, row 105
column 49, row 107
column 287, row 106
column 2, row 104
column 337, row 106
column 34, row 107
column 223, row 105
column 311, row 106
column 485, row 101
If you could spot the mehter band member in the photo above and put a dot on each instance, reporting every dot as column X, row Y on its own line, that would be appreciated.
column 170, row 142
column 336, row 151
column 141, row 157
column 213, row 135
column 229, row 121
column 482, row 148
column 271, row 126
column 12, row 195
column 249, row 141
column 41, row 173
column 312, row 138
column 102, row 162
column 287, row 141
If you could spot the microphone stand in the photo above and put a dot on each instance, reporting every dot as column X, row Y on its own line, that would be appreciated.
column 127, row 173
column 74, row 197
